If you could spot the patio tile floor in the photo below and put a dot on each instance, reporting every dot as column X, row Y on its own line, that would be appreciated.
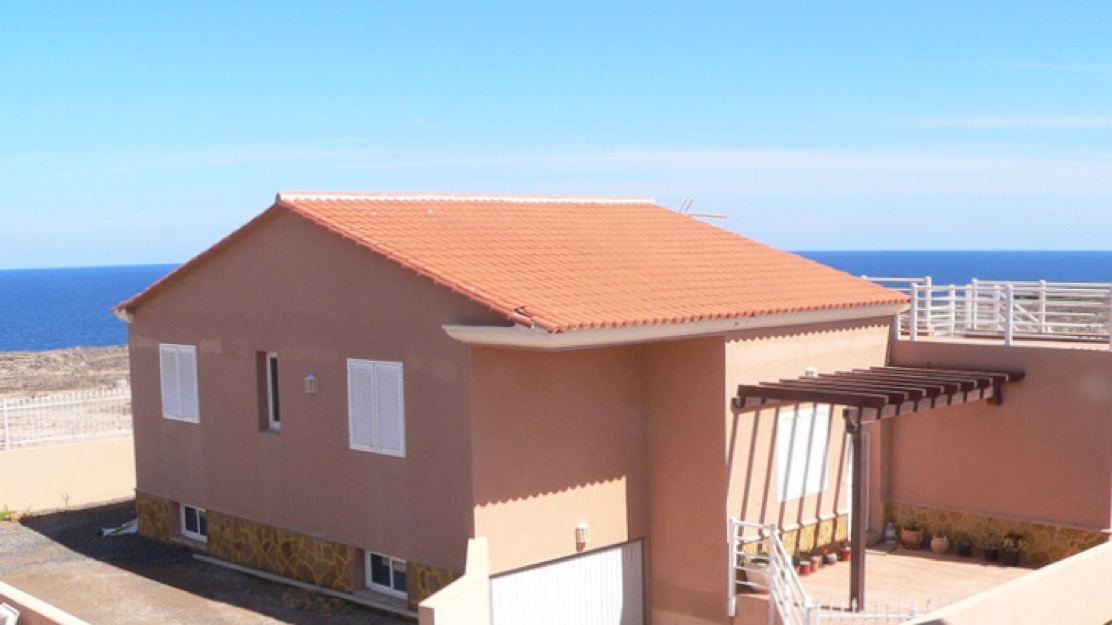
column 911, row 575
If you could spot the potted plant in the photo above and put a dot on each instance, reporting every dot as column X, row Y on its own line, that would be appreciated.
column 940, row 543
column 1010, row 546
column 845, row 552
column 803, row 563
column 911, row 535
column 828, row 556
column 816, row 560
column 965, row 545
column 756, row 572
column 990, row 549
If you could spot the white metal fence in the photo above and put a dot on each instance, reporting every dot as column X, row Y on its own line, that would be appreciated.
column 758, row 560
column 64, row 417
column 1069, row 311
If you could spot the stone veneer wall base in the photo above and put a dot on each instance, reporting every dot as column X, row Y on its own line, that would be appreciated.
column 1048, row 543
column 286, row 554
column 824, row 533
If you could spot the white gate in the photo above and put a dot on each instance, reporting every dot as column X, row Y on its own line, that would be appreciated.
column 599, row 588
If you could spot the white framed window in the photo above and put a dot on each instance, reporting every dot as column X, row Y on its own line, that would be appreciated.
column 802, row 449
column 178, row 370
column 376, row 407
column 386, row 575
column 194, row 523
column 273, row 412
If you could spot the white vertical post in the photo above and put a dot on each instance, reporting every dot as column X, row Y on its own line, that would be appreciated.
column 1009, row 314
column 1108, row 325
column 731, row 605
column 971, row 305
column 1042, row 307
column 952, row 304
column 913, row 325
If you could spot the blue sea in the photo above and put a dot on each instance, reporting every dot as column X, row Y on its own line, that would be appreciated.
column 44, row 309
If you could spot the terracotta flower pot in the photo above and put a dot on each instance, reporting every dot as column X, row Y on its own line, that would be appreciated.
column 912, row 539
column 805, row 567
column 940, row 544
column 844, row 554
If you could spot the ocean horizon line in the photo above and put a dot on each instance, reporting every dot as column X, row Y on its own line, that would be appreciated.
column 793, row 251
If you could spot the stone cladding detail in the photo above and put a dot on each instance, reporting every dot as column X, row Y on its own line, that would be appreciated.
column 826, row 533
column 154, row 516
column 1048, row 543
column 282, row 552
column 426, row 580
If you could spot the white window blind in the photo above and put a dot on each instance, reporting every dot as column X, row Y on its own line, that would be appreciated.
column 179, row 382
column 802, row 443
column 376, row 407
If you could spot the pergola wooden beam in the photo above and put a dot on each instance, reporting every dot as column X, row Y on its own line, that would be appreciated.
column 867, row 396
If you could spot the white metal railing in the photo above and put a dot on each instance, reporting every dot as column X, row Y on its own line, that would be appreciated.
column 1074, row 311
column 64, row 417
column 788, row 599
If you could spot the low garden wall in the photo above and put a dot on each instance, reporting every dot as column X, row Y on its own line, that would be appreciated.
column 76, row 475
column 1074, row 590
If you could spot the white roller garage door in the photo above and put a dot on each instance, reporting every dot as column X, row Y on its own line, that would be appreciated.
column 599, row 588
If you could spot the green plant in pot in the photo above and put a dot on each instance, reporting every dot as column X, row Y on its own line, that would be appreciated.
column 940, row 543
column 911, row 535
column 965, row 545
column 1010, row 546
column 991, row 550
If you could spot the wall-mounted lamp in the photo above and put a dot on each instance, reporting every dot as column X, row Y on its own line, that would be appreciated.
column 311, row 384
column 582, row 534
column 811, row 372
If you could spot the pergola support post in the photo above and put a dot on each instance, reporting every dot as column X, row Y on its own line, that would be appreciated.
column 859, row 431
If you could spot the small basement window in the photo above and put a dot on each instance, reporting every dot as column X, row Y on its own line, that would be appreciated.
column 386, row 575
column 194, row 523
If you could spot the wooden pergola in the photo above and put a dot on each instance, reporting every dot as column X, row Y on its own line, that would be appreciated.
column 871, row 395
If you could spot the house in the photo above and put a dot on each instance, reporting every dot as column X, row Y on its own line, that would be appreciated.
column 350, row 388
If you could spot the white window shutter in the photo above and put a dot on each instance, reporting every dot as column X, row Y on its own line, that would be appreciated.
column 187, row 374
column 376, row 407
column 171, row 394
column 389, row 408
column 361, row 375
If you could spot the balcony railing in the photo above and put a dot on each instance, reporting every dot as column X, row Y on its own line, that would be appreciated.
column 1061, row 311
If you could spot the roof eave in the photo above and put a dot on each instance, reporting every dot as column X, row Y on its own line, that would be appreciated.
column 521, row 337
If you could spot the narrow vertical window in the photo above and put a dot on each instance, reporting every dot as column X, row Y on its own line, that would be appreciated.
column 274, row 414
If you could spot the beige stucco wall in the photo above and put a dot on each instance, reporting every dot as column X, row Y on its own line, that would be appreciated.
column 768, row 357
column 559, row 439
column 55, row 477
column 1045, row 455
column 316, row 300
column 641, row 442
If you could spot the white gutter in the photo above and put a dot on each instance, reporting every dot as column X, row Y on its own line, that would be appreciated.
column 123, row 315
column 522, row 337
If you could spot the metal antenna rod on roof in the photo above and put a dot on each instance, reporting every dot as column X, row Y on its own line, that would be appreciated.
column 685, row 206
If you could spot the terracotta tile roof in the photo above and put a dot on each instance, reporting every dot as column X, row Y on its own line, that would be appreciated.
column 568, row 263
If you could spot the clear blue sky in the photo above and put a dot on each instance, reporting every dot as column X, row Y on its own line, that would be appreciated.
column 142, row 132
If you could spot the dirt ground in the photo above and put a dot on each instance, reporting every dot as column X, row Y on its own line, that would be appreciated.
column 75, row 368
column 128, row 580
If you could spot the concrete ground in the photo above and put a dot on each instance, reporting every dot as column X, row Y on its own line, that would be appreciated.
column 62, row 559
